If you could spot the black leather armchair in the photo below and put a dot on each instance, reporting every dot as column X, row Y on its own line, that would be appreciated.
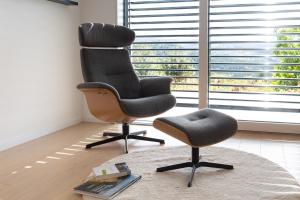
column 112, row 90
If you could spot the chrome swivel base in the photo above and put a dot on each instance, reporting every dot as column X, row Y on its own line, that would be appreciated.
column 194, row 164
column 125, row 135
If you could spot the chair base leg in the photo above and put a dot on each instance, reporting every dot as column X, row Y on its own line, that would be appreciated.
column 110, row 134
column 139, row 133
column 125, row 135
column 88, row 146
column 126, row 145
column 192, row 176
column 194, row 164
column 137, row 137
column 172, row 167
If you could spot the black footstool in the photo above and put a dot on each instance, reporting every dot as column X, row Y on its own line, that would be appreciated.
column 202, row 128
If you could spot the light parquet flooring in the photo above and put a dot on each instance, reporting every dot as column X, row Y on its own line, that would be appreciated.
column 49, row 167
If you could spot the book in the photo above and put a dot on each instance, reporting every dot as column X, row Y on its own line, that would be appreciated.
column 107, row 189
column 109, row 172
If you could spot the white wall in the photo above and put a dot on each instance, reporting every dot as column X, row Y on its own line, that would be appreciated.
column 39, row 69
column 99, row 11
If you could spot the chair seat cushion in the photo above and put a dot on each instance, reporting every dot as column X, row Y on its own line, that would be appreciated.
column 148, row 106
column 201, row 128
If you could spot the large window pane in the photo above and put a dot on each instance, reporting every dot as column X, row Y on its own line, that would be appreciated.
column 167, row 38
column 254, row 59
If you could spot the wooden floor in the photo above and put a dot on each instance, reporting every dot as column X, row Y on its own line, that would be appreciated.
column 49, row 167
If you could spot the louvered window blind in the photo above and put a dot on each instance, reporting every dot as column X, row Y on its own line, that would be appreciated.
column 167, row 43
column 254, row 55
column 253, row 52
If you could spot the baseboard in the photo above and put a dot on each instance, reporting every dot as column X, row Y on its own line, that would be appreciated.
column 20, row 139
column 269, row 127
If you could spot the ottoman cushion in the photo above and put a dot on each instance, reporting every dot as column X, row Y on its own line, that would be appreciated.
column 200, row 128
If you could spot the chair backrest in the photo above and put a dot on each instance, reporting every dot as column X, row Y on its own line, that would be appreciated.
column 103, row 61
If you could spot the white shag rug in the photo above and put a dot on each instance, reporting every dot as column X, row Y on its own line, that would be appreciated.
column 253, row 178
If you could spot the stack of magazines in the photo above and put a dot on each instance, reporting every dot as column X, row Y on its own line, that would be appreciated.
column 107, row 182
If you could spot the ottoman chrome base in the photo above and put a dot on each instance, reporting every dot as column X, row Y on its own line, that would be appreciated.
column 194, row 164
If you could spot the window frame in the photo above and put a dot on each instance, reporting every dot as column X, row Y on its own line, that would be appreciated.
column 204, row 76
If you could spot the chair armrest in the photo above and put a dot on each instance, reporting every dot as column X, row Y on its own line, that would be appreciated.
column 98, row 85
column 155, row 86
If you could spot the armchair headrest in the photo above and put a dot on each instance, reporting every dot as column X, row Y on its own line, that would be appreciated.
column 105, row 35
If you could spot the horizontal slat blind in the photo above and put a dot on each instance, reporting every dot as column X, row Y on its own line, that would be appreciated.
column 254, row 55
column 167, row 37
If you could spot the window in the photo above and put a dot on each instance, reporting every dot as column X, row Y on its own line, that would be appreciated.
column 250, row 66
column 254, row 59
column 167, row 43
